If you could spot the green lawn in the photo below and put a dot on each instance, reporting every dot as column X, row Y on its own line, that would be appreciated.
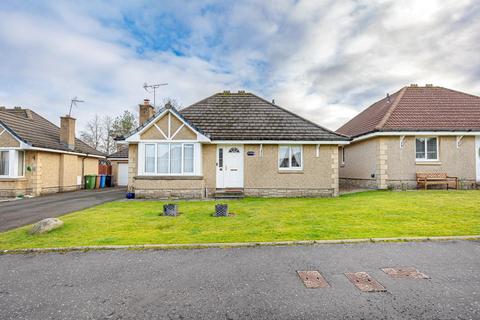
column 361, row 215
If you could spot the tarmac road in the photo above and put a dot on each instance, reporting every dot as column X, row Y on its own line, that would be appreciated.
column 242, row 283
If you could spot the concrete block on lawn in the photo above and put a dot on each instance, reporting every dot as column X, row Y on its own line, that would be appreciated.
column 46, row 225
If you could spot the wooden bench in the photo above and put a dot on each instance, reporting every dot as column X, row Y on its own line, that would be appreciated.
column 424, row 179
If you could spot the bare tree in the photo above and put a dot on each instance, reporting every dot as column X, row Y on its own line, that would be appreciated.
column 108, row 144
column 100, row 133
column 92, row 134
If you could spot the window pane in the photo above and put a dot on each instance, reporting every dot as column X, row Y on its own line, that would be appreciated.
column 162, row 158
column 150, row 158
column 420, row 148
column 175, row 158
column 296, row 157
column 4, row 163
column 220, row 158
column 188, row 158
column 283, row 156
column 432, row 148
column 20, row 163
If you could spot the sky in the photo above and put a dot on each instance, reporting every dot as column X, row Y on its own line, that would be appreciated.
column 325, row 60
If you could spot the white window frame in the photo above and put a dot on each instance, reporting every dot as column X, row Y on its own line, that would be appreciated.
column 342, row 155
column 426, row 150
column 13, row 163
column 290, row 168
column 196, row 156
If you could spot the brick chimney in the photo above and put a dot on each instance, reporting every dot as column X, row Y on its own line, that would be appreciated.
column 67, row 131
column 146, row 111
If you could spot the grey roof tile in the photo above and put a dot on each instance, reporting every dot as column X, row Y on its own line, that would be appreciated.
column 37, row 131
column 245, row 116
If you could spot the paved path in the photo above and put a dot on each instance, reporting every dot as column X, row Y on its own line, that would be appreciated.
column 17, row 213
column 242, row 283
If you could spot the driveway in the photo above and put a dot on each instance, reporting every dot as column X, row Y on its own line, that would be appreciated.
column 17, row 213
column 242, row 283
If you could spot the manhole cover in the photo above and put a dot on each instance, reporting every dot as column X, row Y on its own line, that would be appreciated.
column 313, row 279
column 405, row 272
column 364, row 282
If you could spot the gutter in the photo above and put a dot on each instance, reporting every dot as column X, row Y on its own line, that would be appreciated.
column 415, row 133
column 66, row 152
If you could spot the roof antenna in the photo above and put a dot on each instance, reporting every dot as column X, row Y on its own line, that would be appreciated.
column 73, row 102
column 154, row 87
column 388, row 97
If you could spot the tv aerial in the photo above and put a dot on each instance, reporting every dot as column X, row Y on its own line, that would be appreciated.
column 154, row 87
column 74, row 102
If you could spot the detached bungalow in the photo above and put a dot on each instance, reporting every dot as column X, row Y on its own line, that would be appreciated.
column 231, row 142
column 37, row 157
column 417, row 129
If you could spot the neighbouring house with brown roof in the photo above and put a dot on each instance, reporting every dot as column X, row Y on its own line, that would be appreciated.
column 231, row 143
column 37, row 157
column 417, row 129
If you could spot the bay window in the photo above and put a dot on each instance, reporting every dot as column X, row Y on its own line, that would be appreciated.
column 169, row 158
column 290, row 157
column 12, row 163
column 426, row 148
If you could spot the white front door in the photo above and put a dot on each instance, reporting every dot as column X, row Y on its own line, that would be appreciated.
column 477, row 156
column 229, row 166
column 122, row 178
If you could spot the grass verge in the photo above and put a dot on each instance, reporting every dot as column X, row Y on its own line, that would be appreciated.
column 376, row 214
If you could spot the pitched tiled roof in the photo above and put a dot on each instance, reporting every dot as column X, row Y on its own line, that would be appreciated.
column 418, row 109
column 37, row 131
column 245, row 116
column 122, row 153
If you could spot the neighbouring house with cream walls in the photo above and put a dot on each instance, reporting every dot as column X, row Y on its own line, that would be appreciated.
column 37, row 157
column 417, row 129
column 231, row 143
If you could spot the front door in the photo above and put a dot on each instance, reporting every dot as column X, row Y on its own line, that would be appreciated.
column 229, row 166
column 477, row 156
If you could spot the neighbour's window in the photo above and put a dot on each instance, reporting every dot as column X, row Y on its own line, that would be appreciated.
column 426, row 148
column 4, row 163
column 290, row 157
column 171, row 158
column 342, row 152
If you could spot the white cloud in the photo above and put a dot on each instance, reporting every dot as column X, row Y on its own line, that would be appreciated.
column 326, row 60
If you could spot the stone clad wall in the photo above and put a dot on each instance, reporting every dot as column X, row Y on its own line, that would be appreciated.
column 318, row 178
column 49, row 172
column 455, row 161
column 360, row 167
column 395, row 166
column 169, row 187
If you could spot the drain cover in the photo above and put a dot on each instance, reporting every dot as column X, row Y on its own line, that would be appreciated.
column 405, row 272
column 364, row 282
column 313, row 279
